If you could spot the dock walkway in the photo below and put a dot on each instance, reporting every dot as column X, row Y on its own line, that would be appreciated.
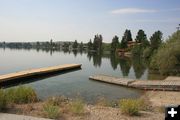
column 168, row 84
column 39, row 71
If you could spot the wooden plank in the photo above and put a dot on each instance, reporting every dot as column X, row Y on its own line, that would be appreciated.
column 173, row 78
column 32, row 72
column 171, row 85
column 157, row 85
column 111, row 79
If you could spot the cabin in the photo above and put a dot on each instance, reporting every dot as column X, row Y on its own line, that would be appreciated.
column 131, row 44
column 124, row 52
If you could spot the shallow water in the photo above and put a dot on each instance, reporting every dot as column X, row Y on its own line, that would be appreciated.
column 76, row 83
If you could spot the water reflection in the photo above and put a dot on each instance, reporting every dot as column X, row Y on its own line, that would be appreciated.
column 70, row 84
column 75, row 53
column 124, row 63
column 139, row 66
column 97, row 59
column 114, row 60
column 136, row 63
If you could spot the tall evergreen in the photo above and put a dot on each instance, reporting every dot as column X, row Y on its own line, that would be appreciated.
column 51, row 42
column 75, row 44
column 115, row 43
column 81, row 46
column 156, row 40
column 126, row 38
column 97, row 44
column 90, row 45
column 142, row 38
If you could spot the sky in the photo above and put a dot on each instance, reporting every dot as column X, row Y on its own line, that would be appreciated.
column 69, row 20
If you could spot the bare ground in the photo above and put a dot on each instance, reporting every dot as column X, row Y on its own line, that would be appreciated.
column 163, row 98
column 108, row 113
column 92, row 112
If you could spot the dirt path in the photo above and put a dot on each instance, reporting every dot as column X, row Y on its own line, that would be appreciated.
column 163, row 98
column 108, row 113
column 5, row 116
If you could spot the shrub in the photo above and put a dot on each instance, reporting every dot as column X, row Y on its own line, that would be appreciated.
column 2, row 100
column 77, row 106
column 167, row 58
column 20, row 95
column 130, row 106
column 51, row 111
column 147, row 52
column 137, row 50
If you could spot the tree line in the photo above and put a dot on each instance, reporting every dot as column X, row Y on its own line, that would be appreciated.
column 164, row 56
column 141, row 38
column 93, row 45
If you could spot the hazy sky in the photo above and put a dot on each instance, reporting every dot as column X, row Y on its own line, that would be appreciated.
column 67, row 20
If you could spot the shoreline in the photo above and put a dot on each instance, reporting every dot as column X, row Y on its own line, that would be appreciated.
column 92, row 112
column 152, row 106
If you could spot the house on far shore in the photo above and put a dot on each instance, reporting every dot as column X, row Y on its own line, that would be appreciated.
column 125, row 51
column 130, row 44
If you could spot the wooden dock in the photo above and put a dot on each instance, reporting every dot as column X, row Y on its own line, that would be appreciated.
column 39, row 71
column 169, row 84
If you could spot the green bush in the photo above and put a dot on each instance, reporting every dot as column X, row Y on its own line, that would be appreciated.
column 147, row 52
column 77, row 106
column 2, row 100
column 167, row 58
column 51, row 111
column 20, row 95
column 130, row 106
column 137, row 50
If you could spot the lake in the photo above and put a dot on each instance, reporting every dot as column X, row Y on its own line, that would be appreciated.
column 76, row 83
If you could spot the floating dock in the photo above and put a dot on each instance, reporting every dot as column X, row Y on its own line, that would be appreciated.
column 39, row 71
column 169, row 84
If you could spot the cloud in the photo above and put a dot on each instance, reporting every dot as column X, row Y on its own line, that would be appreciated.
column 140, row 10
column 170, row 20
column 132, row 11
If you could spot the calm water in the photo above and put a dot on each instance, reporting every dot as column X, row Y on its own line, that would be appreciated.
column 76, row 83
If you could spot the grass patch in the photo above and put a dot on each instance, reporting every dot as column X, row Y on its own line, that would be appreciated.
column 2, row 99
column 77, row 106
column 130, row 106
column 21, row 95
column 51, row 111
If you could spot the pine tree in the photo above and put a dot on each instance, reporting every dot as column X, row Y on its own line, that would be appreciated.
column 97, row 44
column 142, row 38
column 90, row 45
column 156, row 40
column 75, row 44
column 126, row 38
column 81, row 46
column 115, row 43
